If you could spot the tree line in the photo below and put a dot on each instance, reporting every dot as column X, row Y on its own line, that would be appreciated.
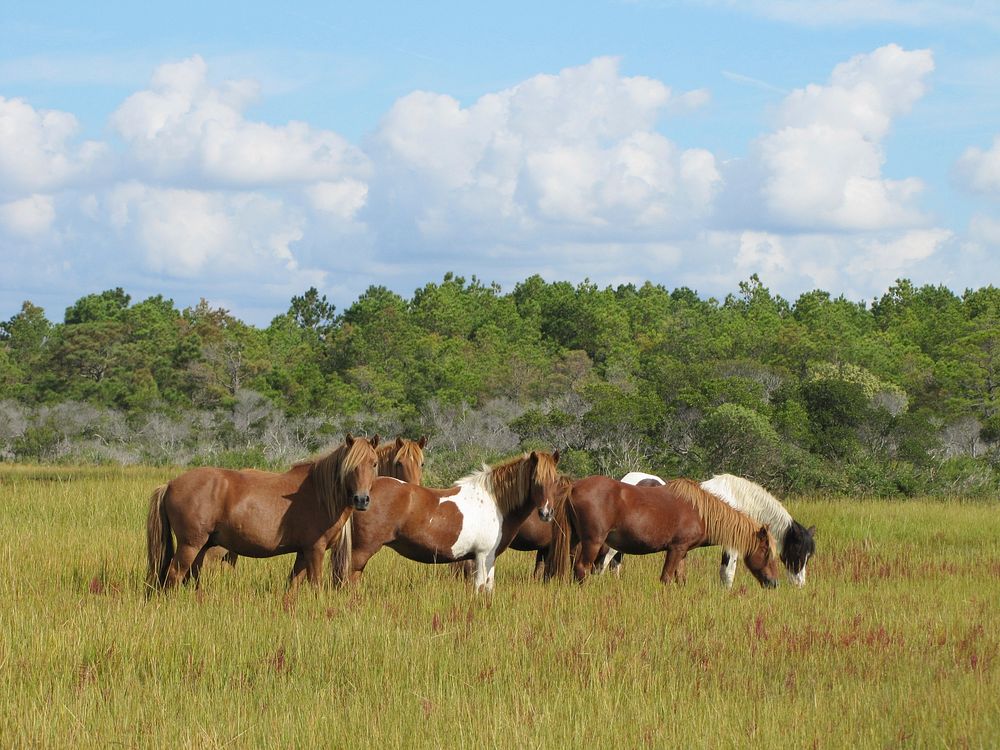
column 899, row 396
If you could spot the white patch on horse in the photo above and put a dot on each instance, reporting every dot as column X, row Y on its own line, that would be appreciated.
column 634, row 477
column 482, row 522
column 799, row 579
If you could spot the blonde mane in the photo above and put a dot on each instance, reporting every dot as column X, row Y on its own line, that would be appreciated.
column 388, row 455
column 329, row 473
column 724, row 525
column 752, row 499
column 509, row 483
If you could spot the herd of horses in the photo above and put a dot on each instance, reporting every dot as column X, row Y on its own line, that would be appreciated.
column 363, row 496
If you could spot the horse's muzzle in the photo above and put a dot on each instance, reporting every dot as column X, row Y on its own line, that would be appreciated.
column 770, row 583
column 545, row 514
column 361, row 502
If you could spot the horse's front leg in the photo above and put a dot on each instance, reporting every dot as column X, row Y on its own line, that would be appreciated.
column 672, row 564
column 484, row 571
column 298, row 572
column 727, row 568
column 314, row 564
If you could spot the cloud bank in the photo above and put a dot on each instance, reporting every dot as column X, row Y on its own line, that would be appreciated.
column 570, row 175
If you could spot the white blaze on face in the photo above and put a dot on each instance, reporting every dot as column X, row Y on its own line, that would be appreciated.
column 799, row 579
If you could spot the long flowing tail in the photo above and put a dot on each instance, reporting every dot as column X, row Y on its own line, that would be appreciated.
column 557, row 558
column 159, row 540
column 340, row 557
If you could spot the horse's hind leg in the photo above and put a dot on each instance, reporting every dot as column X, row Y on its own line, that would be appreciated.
column 180, row 566
column 585, row 560
column 195, row 571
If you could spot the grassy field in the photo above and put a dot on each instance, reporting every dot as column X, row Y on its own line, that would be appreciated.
column 893, row 643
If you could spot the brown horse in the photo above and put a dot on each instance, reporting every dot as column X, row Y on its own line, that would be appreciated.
column 674, row 518
column 473, row 520
column 402, row 458
column 258, row 513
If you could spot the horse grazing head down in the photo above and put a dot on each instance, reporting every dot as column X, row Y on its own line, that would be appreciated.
column 762, row 559
column 358, row 469
column 403, row 459
column 799, row 546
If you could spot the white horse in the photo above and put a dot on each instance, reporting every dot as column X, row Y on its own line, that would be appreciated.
column 796, row 544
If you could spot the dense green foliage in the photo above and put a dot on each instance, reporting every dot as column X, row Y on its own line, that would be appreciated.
column 902, row 396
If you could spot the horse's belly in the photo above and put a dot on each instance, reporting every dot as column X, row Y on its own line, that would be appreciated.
column 421, row 552
column 630, row 544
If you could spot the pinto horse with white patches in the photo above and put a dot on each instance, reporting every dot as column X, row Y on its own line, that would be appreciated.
column 475, row 519
column 796, row 544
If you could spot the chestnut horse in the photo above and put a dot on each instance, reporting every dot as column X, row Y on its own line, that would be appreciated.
column 674, row 518
column 795, row 543
column 258, row 513
column 475, row 519
column 402, row 458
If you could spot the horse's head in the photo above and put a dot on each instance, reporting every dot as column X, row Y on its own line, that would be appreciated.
column 762, row 562
column 544, row 482
column 798, row 546
column 359, row 469
column 408, row 459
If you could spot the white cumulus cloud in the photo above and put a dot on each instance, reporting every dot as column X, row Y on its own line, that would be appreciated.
column 28, row 217
column 184, row 128
column 36, row 149
column 979, row 170
column 575, row 154
column 822, row 167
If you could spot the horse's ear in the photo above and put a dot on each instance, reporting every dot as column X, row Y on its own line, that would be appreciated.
column 374, row 440
column 555, row 456
column 399, row 442
column 811, row 531
column 423, row 441
column 533, row 457
column 349, row 439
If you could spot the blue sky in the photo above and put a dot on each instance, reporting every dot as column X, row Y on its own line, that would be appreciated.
column 243, row 153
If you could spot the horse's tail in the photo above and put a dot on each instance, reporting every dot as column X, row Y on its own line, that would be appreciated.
column 159, row 540
column 557, row 557
column 340, row 556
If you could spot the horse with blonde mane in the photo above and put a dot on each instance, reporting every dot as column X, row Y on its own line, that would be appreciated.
column 671, row 518
column 795, row 543
column 258, row 513
column 475, row 519
column 402, row 458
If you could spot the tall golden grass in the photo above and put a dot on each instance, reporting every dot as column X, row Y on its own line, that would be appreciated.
column 893, row 643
